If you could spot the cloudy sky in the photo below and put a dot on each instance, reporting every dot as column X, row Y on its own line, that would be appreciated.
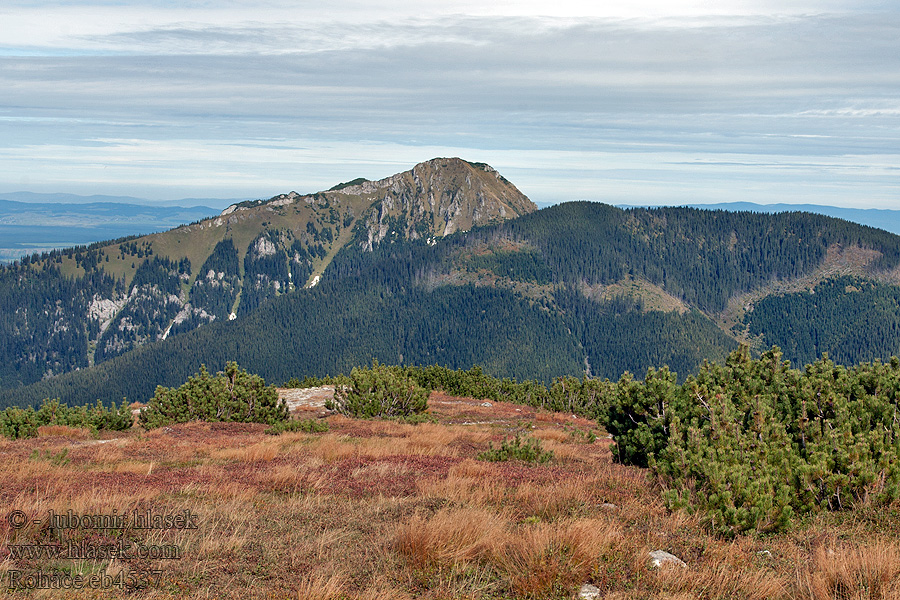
column 631, row 101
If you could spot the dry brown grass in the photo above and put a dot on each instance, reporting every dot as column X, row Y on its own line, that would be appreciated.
column 532, row 559
column 723, row 581
column 260, row 451
column 546, row 558
column 851, row 572
column 465, row 484
column 450, row 538
column 322, row 586
column 553, row 435
column 558, row 499
column 376, row 510
column 75, row 433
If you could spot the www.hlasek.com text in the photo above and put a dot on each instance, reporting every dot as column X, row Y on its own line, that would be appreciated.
column 121, row 549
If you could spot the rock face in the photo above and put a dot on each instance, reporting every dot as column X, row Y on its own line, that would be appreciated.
column 434, row 199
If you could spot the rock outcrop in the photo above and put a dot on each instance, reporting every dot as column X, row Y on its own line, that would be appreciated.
column 436, row 198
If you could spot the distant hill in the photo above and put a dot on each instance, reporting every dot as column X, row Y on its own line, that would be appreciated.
column 29, row 227
column 216, row 204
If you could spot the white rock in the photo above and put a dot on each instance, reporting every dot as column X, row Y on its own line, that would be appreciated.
column 285, row 199
column 589, row 592
column 264, row 247
column 486, row 404
column 659, row 558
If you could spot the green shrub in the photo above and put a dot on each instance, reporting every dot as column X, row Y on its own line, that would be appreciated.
column 59, row 459
column 582, row 396
column 580, row 436
column 20, row 423
column 751, row 443
column 585, row 396
column 637, row 415
column 526, row 450
column 379, row 391
column 293, row 426
column 231, row 395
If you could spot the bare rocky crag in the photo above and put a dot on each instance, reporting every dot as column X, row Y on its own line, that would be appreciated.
column 436, row 198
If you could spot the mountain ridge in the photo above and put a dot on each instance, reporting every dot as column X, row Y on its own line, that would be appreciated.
column 577, row 288
column 138, row 290
column 881, row 218
column 567, row 290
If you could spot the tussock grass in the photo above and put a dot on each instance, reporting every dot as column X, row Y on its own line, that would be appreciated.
column 553, row 435
column 381, row 509
column 547, row 558
column 322, row 586
column 450, row 538
column 75, row 433
column 531, row 560
column 724, row 581
column 854, row 572
column 555, row 500
column 462, row 490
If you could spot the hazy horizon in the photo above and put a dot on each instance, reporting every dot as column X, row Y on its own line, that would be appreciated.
column 63, row 225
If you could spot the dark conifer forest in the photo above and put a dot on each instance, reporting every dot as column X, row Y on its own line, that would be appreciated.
column 531, row 298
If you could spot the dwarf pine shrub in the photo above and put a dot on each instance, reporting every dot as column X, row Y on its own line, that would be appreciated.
column 21, row 423
column 637, row 414
column 582, row 396
column 230, row 395
column 751, row 443
column 524, row 449
column 379, row 391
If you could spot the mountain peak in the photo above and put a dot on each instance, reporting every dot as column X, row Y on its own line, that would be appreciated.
column 224, row 267
column 433, row 199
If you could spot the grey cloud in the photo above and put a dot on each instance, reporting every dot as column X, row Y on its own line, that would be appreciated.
column 753, row 87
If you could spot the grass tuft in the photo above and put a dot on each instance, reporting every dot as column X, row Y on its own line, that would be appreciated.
column 527, row 450
column 299, row 425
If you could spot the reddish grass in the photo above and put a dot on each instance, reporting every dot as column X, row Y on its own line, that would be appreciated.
column 377, row 510
column 75, row 433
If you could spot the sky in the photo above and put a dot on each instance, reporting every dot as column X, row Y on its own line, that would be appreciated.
column 625, row 102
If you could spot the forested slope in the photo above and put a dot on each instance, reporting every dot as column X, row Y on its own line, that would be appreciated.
column 849, row 318
column 72, row 308
column 703, row 257
column 536, row 297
